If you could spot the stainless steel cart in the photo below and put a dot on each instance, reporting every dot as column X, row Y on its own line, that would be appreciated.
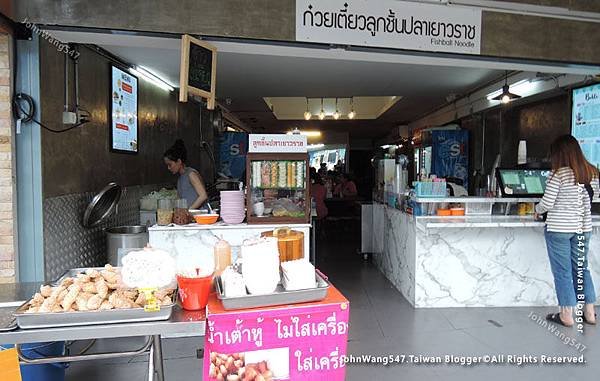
column 181, row 324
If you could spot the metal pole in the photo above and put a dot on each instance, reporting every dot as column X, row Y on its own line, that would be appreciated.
column 157, row 359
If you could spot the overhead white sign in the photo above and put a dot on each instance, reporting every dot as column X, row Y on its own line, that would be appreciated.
column 277, row 143
column 389, row 24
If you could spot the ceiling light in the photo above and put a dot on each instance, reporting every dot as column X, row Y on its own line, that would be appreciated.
column 336, row 114
column 351, row 114
column 385, row 146
column 310, row 134
column 506, row 96
column 312, row 147
column 151, row 77
column 307, row 114
column 322, row 113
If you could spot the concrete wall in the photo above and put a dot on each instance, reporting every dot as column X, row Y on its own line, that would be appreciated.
column 504, row 35
column 7, row 183
column 80, row 161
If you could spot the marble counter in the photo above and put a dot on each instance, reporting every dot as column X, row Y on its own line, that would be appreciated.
column 200, row 239
column 468, row 261
column 427, row 222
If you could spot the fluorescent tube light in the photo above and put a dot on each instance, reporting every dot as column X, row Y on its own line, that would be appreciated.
column 152, row 78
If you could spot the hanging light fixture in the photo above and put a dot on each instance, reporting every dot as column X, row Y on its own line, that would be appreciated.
column 336, row 114
column 307, row 114
column 322, row 113
column 351, row 114
column 506, row 96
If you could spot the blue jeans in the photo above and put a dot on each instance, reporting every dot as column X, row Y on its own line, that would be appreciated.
column 568, row 253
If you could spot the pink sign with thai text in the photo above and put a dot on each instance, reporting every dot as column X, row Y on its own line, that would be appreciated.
column 294, row 342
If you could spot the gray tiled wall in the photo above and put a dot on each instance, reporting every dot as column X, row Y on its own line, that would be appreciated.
column 67, row 244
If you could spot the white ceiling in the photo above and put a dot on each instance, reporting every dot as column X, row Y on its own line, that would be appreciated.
column 246, row 73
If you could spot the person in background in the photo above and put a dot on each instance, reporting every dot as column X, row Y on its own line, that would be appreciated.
column 323, row 170
column 345, row 187
column 190, row 185
column 567, row 200
column 319, row 192
column 313, row 174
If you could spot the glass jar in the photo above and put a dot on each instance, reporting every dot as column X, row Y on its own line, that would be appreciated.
column 164, row 213
column 181, row 216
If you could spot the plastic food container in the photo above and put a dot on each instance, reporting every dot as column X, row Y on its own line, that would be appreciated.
column 290, row 243
column 193, row 292
column 457, row 211
column 444, row 212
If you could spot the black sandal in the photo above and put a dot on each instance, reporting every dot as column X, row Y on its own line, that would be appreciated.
column 555, row 318
column 586, row 321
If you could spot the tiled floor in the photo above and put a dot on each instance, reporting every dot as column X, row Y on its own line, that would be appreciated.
column 382, row 322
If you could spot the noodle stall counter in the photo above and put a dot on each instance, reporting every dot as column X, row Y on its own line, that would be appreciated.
column 188, row 238
column 467, row 261
column 304, row 341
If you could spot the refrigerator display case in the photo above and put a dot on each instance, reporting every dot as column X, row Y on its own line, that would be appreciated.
column 278, row 188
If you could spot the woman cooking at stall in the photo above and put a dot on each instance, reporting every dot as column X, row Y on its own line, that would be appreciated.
column 190, row 185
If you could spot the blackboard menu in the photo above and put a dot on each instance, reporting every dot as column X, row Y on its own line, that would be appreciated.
column 200, row 69
column 197, row 74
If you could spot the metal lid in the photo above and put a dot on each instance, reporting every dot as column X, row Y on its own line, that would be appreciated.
column 102, row 206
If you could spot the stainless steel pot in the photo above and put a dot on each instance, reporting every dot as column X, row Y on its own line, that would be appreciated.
column 124, row 237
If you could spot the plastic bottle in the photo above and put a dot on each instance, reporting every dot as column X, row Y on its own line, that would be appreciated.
column 222, row 252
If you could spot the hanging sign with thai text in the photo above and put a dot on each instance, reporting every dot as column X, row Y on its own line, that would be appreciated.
column 390, row 24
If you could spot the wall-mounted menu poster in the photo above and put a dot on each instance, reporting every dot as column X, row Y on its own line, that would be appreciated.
column 585, row 121
column 124, row 112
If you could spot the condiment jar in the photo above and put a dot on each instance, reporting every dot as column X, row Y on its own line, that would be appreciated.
column 181, row 215
column 164, row 213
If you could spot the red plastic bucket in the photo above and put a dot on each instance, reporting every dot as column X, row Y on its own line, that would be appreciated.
column 193, row 292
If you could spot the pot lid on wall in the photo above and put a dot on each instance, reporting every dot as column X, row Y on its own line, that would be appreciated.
column 102, row 206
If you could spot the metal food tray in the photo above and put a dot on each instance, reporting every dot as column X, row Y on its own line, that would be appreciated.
column 279, row 297
column 79, row 318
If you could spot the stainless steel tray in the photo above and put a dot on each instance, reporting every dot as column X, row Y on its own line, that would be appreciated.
column 279, row 297
column 78, row 318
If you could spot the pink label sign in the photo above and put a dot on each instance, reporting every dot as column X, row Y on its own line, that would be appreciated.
column 293, row 343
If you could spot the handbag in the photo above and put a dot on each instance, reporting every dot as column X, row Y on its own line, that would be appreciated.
column 590, row 191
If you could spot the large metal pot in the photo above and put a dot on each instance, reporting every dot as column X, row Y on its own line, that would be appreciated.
column 124, row 237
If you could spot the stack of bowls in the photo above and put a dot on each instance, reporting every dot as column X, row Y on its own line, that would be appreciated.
column 232, row 207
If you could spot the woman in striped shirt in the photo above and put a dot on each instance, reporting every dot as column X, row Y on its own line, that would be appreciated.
column 567, row 200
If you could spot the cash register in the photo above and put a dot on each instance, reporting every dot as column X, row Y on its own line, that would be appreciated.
column 522, row 183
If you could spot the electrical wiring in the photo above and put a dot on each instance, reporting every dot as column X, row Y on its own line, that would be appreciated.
column 27, row 114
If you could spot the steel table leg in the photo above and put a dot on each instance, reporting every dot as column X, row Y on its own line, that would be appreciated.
column 157, row 359
column 313, row 242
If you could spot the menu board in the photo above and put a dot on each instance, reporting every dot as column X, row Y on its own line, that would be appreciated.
column 585, row 122
column 200, row 71
column 124, row 111
column 197, row 73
